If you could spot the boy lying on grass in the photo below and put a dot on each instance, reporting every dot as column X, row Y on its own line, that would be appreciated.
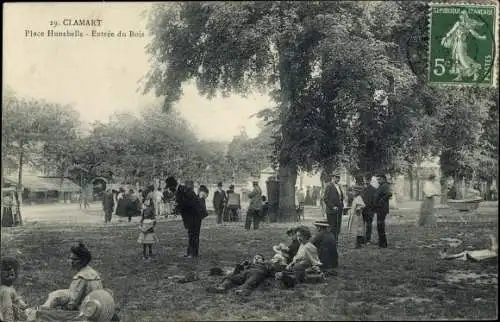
column 304, row 267
column 247, row 275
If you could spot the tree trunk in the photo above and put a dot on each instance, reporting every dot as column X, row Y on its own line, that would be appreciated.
column 457, row 184
column 20, row 176
column 287, row 172
column 287, row 180
column 444, row 188
column 417, row 174
column 410, row 178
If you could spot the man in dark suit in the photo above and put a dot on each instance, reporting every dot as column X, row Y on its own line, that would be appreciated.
column 368, row 196
column 334, row 203
column 381, row 205
column 188, row 205
column 219, row 201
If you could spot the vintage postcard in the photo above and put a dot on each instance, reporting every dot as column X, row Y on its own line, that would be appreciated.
column 249, row 160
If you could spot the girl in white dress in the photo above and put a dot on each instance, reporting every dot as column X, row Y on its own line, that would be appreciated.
column 355, row 225
column 147, row 236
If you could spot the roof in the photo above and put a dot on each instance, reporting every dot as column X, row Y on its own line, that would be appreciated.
column 38, row 183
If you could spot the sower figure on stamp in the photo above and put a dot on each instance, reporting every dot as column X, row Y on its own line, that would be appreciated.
column 334, row 203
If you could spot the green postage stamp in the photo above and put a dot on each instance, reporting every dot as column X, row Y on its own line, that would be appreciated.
column 463, row 44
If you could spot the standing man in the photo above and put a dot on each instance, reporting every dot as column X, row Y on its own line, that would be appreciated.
column 219, row 201
column 334, row 204
column 232, row 205
column 368, row 196
column 254, row 208
column 188, row 205
column 108, row 205
column 382, row 196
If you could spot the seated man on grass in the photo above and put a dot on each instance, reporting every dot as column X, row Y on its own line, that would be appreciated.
column 305, row 265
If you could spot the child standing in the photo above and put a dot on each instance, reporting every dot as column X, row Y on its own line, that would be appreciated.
column 355, row 224
column 147, row 236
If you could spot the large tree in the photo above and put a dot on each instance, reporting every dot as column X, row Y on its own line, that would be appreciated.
column 295, row 50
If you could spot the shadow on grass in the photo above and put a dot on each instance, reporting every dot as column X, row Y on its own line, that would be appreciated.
column 405, row 281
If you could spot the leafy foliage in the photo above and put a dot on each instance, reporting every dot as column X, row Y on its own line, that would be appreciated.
column 34, row 129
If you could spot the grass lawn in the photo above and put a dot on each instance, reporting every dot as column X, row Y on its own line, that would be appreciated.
column 405, row 281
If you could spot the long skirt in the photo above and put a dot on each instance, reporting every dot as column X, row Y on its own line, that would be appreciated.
column 8, row 217
column 355, row 224
column 427, row 216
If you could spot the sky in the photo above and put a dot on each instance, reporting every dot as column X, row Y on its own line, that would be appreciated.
column 100, row 76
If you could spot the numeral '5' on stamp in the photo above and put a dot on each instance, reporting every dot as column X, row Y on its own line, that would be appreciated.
column 462, row 44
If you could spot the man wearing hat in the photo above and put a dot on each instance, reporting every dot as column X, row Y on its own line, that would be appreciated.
column 334, row 203
column 232, row 205
column 219, row 201
column 188, row 206
column 325, row 242
column 254, row 208
column 382, row 196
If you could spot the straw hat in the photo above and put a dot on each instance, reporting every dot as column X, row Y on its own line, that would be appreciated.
column 98, row 305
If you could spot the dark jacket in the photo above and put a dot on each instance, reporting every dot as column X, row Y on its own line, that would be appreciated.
column 219, row 199
column 121, row 208
column 203, row 207
column 382, row 196
column 134, row 206
column 327, row 249
column 292, row 250
column 333, row 199
column 108, row 202
column 188, row 205
column 368, row 196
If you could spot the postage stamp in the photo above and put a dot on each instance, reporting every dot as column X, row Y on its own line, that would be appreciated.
column 463, row 44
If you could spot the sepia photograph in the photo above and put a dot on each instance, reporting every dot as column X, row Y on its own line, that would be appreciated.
column 249, row 161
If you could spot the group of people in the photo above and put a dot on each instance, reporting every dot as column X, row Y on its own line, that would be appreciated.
column 131, row 204
column 308, row 258
column 227, row 205
column 310, row 197
column 86, row 298
column 364, row 205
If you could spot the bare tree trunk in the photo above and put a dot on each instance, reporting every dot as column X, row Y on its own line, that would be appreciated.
column 417, row 174
column 410, row 178
column 287, row 180
column 20, row 176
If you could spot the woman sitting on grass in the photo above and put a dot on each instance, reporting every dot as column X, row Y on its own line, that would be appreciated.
column 305, row 264
column 64, row 304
